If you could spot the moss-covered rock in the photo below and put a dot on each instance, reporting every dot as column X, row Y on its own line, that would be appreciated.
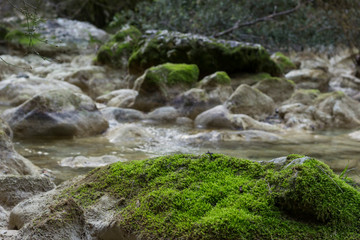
column 159, row 85
column 209, row 54
column 33, row 42
column 214, row 80
column 284, row 63
column 213, row 196
column 118, row 49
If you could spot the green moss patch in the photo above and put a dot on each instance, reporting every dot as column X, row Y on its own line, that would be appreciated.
column 117, row 50
column 22, row 38
column 208, row 54
column 214, row 196
column 285, row 64
column 171, row 74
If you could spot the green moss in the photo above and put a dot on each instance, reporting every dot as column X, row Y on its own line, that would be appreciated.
column 170, row 73
column 214, row 196
column 222, row 78
column 22, row 38
column 283, row 62
column 208, row 54
column 117, row 50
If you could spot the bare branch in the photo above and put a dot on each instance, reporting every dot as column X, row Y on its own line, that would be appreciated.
column 262, row 19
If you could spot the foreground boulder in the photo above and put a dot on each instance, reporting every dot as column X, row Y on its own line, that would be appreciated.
column 208, row 54
column 12, row 163
column 161, row 84
column 56, row 113
column 210, row 196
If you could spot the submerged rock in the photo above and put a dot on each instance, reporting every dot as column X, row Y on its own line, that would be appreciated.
column 208, row 54
column 199, row 197
column 88, row 162
column 161, row 84
column 57, row 113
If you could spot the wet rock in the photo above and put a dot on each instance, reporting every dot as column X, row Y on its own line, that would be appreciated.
column 4, row 218
column 88, row 162
column 310, row 79
column 163, row 114
column 129, row 135
column 279, row 89
column 330, row 110
column 12, row 163
column 298, row 116
column 14, row 189
column 100, row 84
column 242, row 121
column 193, row 102
column 337, row 110
column 250, row 101
column 211, row 91
column 161, row 84
column 123, row 98
column 14, row 91
column 217, row 117
column 304, row 96
column 122, row 114
column 118, row 49
column 208, row 54
column 57, row 113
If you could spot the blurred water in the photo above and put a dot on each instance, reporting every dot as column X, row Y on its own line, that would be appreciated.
column 335, row 148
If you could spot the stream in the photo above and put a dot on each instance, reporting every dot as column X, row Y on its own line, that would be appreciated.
column 335, row 148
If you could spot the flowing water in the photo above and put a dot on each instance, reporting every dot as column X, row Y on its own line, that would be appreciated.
column 335, row 148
